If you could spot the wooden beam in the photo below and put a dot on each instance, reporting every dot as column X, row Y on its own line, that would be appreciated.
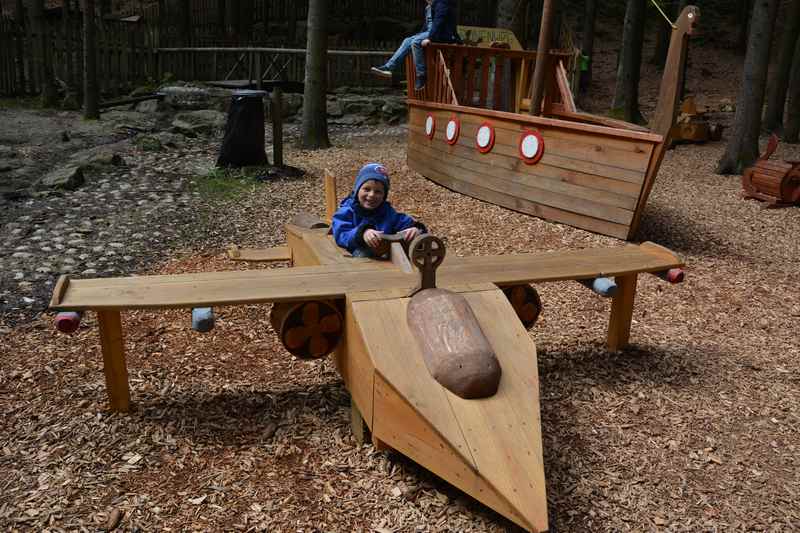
column 537, row 90
column 113, row 347
column 619, row 325
column 330, row 195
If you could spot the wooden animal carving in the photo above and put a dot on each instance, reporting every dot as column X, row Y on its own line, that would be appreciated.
column 775, row 182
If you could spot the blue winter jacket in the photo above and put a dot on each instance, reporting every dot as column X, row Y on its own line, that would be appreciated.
column 445, row 19
column 351, row 221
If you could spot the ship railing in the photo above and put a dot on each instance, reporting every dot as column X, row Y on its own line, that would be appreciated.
column 491, row 78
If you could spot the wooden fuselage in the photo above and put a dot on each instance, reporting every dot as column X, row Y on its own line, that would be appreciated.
column 490, row 448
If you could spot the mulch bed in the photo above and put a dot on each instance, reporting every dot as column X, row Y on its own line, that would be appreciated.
column 695, row 427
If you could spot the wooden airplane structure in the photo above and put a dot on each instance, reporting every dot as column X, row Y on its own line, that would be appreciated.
column 433, row 349
column 471, row 129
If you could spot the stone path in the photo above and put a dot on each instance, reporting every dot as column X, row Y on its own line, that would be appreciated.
column 120, row 221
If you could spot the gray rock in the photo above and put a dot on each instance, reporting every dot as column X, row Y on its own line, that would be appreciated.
column 7, row 165
column 200, row 122
column 360, row 106
column 7, row 152
column 68, row 177
column 97, row 157
column 334, row 108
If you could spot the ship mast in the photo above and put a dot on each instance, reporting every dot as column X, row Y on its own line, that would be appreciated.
column 545, row 31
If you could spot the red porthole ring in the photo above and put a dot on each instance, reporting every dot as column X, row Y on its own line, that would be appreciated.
column 484, row 138
column 531, row 147
column 452, row 130
column 430, row 126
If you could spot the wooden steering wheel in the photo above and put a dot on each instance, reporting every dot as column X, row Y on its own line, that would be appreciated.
column 427, row 253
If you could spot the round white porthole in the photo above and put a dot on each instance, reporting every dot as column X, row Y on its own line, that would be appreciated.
column 452, row 130
column 484, row 138
column 531, row 146
column 430, row 126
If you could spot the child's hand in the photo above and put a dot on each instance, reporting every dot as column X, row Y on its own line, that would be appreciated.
column 410, row 233
column 372, row 238
column 426, row 42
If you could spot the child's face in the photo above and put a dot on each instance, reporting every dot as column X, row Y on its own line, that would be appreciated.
column 371, row 194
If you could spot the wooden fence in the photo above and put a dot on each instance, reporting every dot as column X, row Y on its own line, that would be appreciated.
column 138, row 48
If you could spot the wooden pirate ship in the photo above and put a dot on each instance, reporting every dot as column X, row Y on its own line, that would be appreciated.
column 434, row 352
column 470, row 129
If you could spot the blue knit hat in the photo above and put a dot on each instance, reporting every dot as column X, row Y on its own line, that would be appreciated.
column 372, row 171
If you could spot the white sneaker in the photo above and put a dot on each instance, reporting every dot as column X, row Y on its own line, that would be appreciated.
column 381, row 72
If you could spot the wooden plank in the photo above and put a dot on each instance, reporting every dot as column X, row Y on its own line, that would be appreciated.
column 581, row 185
column 487, row 180
column 355, row 365
column 401, row 427
column 616, row 154
column 398, row 361
column 555, row 266
column 619, row 325
column 564, row 88
column 497, row 90
column 504, row 430
column 484, row 85
column 446, row 179
column 113, row 348
column 399, row 258
column 208, row 290
column 260, row 255
column 612, row 191
column 539, row 121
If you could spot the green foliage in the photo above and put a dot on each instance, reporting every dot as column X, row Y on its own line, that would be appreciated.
column 22, row 102
column 228, row 183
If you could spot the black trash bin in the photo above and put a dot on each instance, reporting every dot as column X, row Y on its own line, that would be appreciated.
column 243, row 144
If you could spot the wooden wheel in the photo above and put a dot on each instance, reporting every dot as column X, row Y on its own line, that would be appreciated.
column 526, row 303
column 308, row 330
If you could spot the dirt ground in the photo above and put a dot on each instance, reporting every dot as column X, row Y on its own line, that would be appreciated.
column 694, row 427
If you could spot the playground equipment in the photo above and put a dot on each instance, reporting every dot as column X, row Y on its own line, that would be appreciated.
column 693, row 126
column 437, row 366
column 775, row 182
column 469, row 130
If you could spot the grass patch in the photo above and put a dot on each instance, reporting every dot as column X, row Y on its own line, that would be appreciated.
column 228, row 183
column 21, row 102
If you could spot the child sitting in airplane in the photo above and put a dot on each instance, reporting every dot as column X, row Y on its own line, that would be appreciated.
column 365, row 215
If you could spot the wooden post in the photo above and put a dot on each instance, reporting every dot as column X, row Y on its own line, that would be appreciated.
column 259, row 79
column 619, row 325
column 537, row 90
column 330, row 195
column 276, row 113
column 113, row 347
column 356, row 423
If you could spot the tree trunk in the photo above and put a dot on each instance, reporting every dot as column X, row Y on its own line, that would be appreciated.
column 222, row 31
column 91, row 96
column 626, row 93
column 587, row 44
column 510, row 14
column 19, row 18
column 790, row 132
column 186, row 22
column 743, row 8
column 291, row 33
column 742, row 148
column 315, row 124
column 44, row 57
column 776, row 98
column 66, row 19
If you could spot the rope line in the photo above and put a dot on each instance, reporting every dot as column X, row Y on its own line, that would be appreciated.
column 663, row 14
